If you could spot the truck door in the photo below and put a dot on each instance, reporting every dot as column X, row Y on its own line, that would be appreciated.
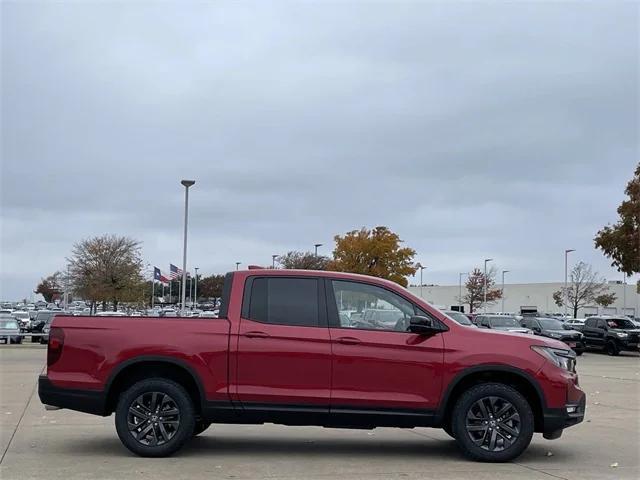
column 283, row 350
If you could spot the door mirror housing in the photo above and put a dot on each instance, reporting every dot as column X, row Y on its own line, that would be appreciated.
column 537, row 329
column 423, row 325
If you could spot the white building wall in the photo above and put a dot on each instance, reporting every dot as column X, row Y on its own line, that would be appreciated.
column 539, row 295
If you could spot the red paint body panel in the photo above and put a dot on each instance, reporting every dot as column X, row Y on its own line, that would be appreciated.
column 278, row 364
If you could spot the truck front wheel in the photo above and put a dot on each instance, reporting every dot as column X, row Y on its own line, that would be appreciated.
column 155, row 417
column 492, row 422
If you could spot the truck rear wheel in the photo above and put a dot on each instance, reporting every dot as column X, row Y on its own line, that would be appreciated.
column 612, row 348
column 155, row 417
column 492, row 422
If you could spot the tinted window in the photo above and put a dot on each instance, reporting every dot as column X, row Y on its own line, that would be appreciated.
column 601, row 324
column 590, row 322
column 285, row 301
column 368, row 307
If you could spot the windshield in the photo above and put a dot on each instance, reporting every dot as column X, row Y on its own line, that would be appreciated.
column 504, row 322
column 461, row 318
column 8, row 324
column 620, row 323
column 550, row 324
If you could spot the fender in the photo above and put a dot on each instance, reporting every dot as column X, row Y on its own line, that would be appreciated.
column 157, row 358
column 444, row 402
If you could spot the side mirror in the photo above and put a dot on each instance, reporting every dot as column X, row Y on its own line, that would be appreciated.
column 536, row 329
column 423, row 325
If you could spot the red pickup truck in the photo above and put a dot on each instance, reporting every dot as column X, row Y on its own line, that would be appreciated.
column 300, row 348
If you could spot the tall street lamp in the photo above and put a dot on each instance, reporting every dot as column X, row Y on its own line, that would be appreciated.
column 186, row 184
column 316, row 247
column 460, row 275
column 484, row 287
column 195, row 289
column 237, row 265
column 566, row 292
column 503, row 272
column 421, row 267
column 273, row 261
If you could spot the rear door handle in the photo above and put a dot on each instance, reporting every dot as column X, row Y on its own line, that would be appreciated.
column 256, row 335
column 348, row 341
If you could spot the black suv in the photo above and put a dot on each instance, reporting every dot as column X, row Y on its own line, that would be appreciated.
column 613, row 334
column 554, row 328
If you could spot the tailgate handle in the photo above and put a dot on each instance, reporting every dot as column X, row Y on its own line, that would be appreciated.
column 348, row 341
column 256, row 335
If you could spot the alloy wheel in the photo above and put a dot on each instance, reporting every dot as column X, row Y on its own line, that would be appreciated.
column 153, row 418
column 493, row 423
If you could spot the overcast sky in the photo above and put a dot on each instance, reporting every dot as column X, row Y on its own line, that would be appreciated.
column 474, row 130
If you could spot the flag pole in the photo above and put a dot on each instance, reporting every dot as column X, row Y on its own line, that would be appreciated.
column 153, row 289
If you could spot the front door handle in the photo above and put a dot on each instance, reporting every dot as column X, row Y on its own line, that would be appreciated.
column 348, row 341
column 256, row 335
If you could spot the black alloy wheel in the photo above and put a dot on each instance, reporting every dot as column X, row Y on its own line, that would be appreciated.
column 493, row 423
column 154, row 418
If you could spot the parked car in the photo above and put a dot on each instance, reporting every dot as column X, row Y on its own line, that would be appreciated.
column 554, row 328
column 23, row 319
column 111, row 314
column 501, row 322
column 278, row 354
column 574, row 322
column 459, row 317
column 611, row 334
column 43, row 318
column 9, row 329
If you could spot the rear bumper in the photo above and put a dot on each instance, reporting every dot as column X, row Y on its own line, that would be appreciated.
column 88, row 401
column 556, row 419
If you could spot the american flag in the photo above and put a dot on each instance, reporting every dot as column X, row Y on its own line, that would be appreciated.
column 174, row 272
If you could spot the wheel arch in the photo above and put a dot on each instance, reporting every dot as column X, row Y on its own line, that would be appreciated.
column 514, row 377
column 135, row 369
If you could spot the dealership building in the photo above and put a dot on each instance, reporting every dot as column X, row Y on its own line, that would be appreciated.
column 538, row 296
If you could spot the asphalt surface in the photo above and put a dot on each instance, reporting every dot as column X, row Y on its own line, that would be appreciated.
column 66, row 445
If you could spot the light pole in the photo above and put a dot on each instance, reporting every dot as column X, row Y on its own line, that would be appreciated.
column 566, row 292
column 421, row 267
column 237, row 265
column 195, row 289
column 273, row 261
column 316, row 247
column 484, row 287
column 186, row 184
column 503, row 272
column 624, row 295
column 460, row 275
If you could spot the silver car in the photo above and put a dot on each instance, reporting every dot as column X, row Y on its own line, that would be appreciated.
column 9, row 329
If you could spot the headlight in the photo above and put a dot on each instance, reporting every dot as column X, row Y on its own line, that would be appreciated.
column 555, row 335
column 622, row 334
column 565, row 359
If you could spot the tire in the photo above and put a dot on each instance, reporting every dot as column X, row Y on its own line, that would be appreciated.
column 612, row 348
column 165, row 437
column 487, row 441
column 580, row 352
column 200, row 427
column 449, row 431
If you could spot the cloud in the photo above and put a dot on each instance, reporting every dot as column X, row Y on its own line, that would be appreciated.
column 503, row 130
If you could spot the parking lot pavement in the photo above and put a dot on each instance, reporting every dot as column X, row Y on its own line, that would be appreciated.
column 68, row 445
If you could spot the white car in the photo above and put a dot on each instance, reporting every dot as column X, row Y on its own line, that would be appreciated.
column 572, row 322
column 111, row 314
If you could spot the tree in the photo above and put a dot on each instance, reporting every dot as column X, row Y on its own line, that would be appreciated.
column 585, row 286
column 374, row 252
column 107, row 269
column 210, row 287
column 475, row 289
column 605, row 299
column 50, row 287
column 303, row 261
column 621, row 241
column 557, row 298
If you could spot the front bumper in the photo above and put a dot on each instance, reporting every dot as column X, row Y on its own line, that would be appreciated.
column 557, row 419
column 88, row 401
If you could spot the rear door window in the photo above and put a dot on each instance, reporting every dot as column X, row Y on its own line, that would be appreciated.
column 285, row 301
